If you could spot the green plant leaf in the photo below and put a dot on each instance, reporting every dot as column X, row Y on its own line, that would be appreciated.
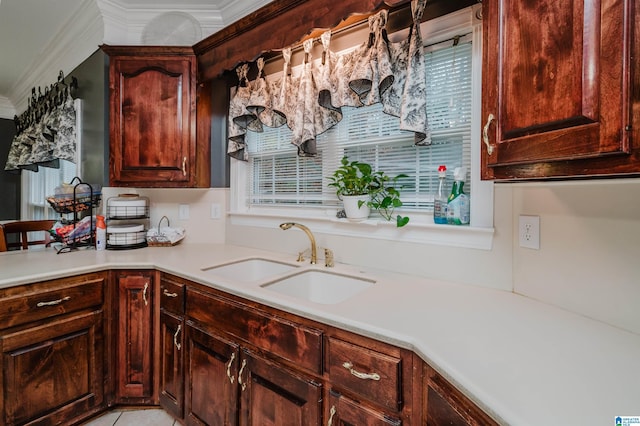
column 401, row 221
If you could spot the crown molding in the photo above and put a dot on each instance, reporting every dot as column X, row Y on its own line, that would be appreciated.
column 124, row 24
column 79, row 38
column 234, row 10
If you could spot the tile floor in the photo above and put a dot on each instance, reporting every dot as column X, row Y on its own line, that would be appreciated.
column 133, row 417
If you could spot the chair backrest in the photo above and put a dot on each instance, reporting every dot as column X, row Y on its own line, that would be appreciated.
column 21, row 230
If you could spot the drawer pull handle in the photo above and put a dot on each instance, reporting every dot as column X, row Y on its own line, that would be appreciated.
column 53, row 302
column 229, row 364
column 166, row 293
column 175, row 337
column 242, row 384
column 485, row 134
column 359, row 375
column 184, row 166
column 332, row 413
column 144, row 294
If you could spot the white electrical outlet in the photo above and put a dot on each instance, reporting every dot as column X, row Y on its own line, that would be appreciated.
column 529, row 232
column 183, row 211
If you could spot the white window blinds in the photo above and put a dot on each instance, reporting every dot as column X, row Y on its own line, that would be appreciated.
column 277, row 176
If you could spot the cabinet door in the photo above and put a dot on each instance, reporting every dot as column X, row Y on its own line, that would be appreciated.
column 345, row 412
column 211, row 394
column 445, row 405
column 153, row 115
column 171, row 363
column 274, row 395
column 53, row 373
column 135, row 338
column 556, row 78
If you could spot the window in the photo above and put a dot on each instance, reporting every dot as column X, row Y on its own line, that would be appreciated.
column 276, row 183
column 279, row 177
column 37, row 186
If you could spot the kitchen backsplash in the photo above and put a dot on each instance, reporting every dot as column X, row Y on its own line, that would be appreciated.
column 587, row 262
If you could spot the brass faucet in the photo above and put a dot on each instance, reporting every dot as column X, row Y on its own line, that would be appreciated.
column 314, row 250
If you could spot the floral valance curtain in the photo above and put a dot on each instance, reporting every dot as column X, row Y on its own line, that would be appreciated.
column 376, row 71
column 46, row 131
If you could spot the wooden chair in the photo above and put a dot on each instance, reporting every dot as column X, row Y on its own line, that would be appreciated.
column 21, row 229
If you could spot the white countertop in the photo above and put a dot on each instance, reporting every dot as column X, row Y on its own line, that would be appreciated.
column 522, row 361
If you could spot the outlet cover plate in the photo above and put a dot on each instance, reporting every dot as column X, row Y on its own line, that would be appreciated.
column 529, row 232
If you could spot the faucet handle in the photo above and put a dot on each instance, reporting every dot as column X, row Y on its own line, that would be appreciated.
column 328, row 258
column 301, row 255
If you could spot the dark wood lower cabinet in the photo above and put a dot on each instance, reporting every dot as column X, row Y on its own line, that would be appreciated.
column 53, row 373
column 345, row 412
column 211, row 396
column 207, row 357
column 172, row 363
column 446, row 405
column 134, row 342
column 271, row 395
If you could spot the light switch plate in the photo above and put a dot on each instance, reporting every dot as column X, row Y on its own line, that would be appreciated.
column 183, row 211
column 215, row 211
column 529, row 232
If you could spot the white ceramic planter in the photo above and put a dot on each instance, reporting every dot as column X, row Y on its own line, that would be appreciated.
column 351, row 209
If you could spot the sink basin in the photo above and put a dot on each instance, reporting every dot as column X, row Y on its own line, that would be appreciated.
column 320, row 286
column 249, row 270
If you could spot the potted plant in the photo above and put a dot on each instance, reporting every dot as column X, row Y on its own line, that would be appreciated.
column 361, row 189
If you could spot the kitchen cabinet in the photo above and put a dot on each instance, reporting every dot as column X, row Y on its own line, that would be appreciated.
column 211, row 378
column 558, row 95
column 158, row 137
column 240, row 365
column 135, row 321
column 52, row 349
column 372, row 378
column 272, row 394
column 445, row 405
column 172, row 345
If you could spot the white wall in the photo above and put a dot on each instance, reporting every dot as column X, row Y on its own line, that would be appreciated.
column 200, row 227
column 489, row 268
column 589, row 257
column 588, row 262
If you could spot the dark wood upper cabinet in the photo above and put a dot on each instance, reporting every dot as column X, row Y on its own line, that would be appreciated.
column 153, row 125
column 558, row 83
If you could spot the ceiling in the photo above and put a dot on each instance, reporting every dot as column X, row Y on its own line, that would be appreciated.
column 28, row 28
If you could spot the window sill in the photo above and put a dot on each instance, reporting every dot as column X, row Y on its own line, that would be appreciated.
column 417, row 231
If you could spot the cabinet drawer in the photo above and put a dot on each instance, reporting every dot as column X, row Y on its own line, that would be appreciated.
column 45, row 300
column 291, row 341
column 172, row 295
column 373, row 375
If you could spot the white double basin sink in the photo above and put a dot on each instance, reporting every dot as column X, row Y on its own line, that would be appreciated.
column 316, row 285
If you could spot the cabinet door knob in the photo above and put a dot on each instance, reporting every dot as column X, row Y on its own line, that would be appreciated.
column 485, row 134
column 53, row 302
column 358, row 374
column 184, row 166
column 144, row 294
column 175, row 337
column 229, row 364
